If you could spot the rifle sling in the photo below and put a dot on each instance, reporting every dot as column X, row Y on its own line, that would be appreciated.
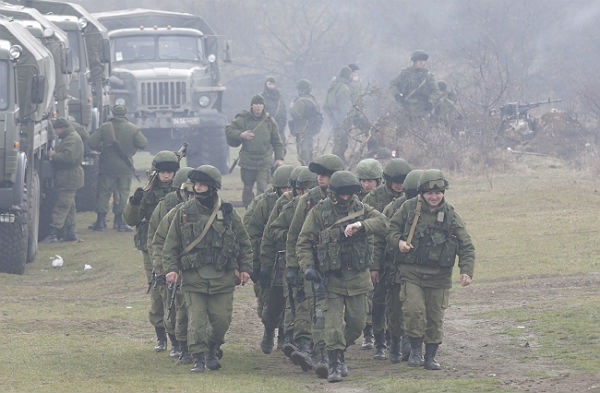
column 235, row 162
column 416, row 88
column 117, row 147
column 209, row 223
column 413, row 226
column 348, row 217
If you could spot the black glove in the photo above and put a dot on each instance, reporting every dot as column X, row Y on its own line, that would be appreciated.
column 161, row 280
column 311, row 274
column 265, row 276
column 291, row 276
column 137, row 196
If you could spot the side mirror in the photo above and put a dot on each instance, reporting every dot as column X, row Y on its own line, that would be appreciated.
column 227, row 52
column 67, row 61
column 211, row 44
column 105, row 52
column 38, row 89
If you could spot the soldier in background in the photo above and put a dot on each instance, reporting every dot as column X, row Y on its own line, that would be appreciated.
column 275, row 106
column 68, row 178
column 306, row 121
column 338, row 104
column 117, row 140
column 445, row 111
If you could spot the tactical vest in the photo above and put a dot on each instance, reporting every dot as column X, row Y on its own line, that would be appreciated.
column 171, row 200
column 149, row 202
column 335, row 251
column 219, row 247
column 434, row 244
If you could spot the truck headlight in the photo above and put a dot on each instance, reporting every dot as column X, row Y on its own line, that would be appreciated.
column 120, row 101
column 15, row 52
column 204, row 101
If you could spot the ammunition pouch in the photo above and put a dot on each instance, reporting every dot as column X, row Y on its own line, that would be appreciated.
column 335, row 251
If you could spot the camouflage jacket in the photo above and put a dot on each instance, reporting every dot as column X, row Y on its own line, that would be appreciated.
column 416, row 89
column 158, row 241
column 68, row 173
column 255, row 221
column 306, row 116
column 165, row 205
column 275, row 106
column 269, row 244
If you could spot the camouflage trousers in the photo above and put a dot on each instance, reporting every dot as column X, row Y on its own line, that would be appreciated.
column 344, row 318
column 378, row 318
column 340, row 141
column 181, row 317
column 273, row 306
column 209, row 317
column 63, row 213
column 250, row 176
column 157, row 294
column 304, row 147
column 109, row 185
column 423, row 311
column 394, row 311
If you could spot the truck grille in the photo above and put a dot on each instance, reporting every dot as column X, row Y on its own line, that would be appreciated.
column 163, row 94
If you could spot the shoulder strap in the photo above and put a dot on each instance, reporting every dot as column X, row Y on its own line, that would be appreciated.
column 413, row 226
column 260, row 122
column 416, row 88
column 211, row 219
column 348, row 217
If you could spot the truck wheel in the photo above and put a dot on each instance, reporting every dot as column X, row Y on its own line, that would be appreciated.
column 209, row 147
column 85, row 199
column 33, row 192
column 13, row 242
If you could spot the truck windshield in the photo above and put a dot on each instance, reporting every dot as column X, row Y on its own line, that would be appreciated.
column 162, row 47
column 179, row 48
column 74, row 42
column 3, row 84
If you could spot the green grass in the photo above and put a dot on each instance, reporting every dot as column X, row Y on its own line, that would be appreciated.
column 437, row 385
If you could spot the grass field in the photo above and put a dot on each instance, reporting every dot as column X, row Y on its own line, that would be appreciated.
column 529, row 322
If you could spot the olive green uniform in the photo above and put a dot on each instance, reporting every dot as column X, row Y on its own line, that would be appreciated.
column 415, row 88
column 115, row 173
column 425, row 273
column 208, row 278
column 305, row 124
column 337, row 106
column 344, row 263
column 275, row 106
column 256, row 155
column 68, row 177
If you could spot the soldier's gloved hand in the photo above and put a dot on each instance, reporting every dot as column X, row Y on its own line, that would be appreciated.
column 311, row 274
column 137, row 196
column 265, row 276
column 291, row 276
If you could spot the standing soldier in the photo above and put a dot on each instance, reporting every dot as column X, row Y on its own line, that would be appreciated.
column 258, row 134
column 138, row 212
column 355, row 86
column 68, row 178
column 415, row 87
column 306, row 120
column 118, row 140
column 208, row 244
column 429, row 234
column 338, row 104
column 335, row 250
column 275, row 106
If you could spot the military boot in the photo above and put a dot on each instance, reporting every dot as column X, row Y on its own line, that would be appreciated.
column 368, row 342
column 161, row 339
column 175, row 347
column 405, row 348
column 289, row 346
column 344, row 369
column 199, row 363
column 416, row 352
column 212, row 358
column 301, row 357
column 120, row 225
column 185, row 357
column 69, row 234
column 267, row 341
column 100, row 223
column 380, row 346
column 51, row 237
column 430, row 362
column 335, row 366
column 395, row 354
column 320, row 361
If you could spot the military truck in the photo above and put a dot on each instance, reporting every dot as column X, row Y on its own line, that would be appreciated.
column 166, row 72
column 26, row 103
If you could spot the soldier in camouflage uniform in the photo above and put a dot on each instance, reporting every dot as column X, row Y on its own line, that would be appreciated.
column 138, row 212
column 445, row 111
column 308, row 331
column 415, row 88
column 341, row 230
column 338, row 104
column 355, row 86
column 68, row 178
column 258, row 134
column 306, row 121
column 425, row 262
column 118, row 140
column 275, row 106
column 209, row 245
column 394, row 173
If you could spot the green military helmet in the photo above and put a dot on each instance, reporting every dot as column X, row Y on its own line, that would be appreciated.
column 282, row 176
column 271, row 79
column 369, row 169
column 304, row 86
column 396, row 170
column 419, row 55
column 293, row 176
column 326, row 164
column 61, row 122
column 257, row 99
column 119, row 110
column 344, row 182
column 206, row 174
column 411, row 183
column 345, row 73
column 181, row 176
column 432, row 180
column 306, row 178
column 165, row 161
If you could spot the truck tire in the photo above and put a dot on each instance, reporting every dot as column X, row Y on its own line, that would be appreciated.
column 85, row 199
column 209, row 147
column 13, row 242
column 33, row 193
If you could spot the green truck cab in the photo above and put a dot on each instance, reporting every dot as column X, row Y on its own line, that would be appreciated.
column 26, row 103
column 165, row 69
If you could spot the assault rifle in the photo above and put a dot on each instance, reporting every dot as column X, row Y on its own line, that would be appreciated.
column 182, row 152
column 151, row 282
column 518, row 109
column 172, row 293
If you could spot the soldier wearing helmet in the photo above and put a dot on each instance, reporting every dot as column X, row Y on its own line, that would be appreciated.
column 138, row 212
column 426, row 250
column 306, row 120
column 369, row 173
column 117, row 140
column 415, row 88
column 343, row 230
column 208, row 246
